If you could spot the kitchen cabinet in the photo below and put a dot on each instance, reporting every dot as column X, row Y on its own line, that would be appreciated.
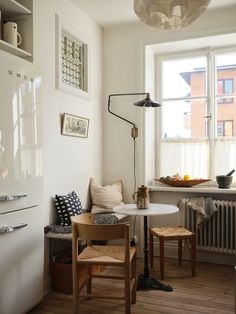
column 19, row 12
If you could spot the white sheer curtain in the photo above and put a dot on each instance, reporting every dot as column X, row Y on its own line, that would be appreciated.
column 185, row 156
column 192, row 156
column 224, row 156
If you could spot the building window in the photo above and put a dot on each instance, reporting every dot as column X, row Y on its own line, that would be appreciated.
column 225, row 87
column 196, row 132
column 225, row 128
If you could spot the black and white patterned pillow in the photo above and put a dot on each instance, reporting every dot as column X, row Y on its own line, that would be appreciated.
column 67, row 206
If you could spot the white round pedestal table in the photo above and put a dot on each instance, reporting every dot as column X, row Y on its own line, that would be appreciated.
column 145, row 281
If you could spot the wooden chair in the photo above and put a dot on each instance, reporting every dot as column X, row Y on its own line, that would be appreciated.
column 172, row 233
column 123, row 255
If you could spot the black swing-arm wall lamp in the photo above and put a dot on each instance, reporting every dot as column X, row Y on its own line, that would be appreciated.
column 146, row 103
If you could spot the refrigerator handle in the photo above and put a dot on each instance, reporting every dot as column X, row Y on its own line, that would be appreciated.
column 7, row 198
column 8, row 229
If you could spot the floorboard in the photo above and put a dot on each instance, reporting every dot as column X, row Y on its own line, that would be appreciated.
column 211, row 291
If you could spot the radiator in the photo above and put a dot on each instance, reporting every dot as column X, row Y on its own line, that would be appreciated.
column 218, row 234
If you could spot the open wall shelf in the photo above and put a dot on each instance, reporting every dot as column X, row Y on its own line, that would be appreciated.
column 12, row 8
column 17, row 12
column 14, row 50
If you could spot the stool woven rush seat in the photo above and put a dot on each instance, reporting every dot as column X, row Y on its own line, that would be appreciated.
column 172, row 233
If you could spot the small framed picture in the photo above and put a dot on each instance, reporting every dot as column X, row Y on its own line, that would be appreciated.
column 74, row 125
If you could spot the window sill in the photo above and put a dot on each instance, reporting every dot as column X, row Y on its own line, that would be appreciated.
column 200, row 189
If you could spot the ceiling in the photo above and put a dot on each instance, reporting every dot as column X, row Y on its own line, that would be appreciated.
column 111, row 12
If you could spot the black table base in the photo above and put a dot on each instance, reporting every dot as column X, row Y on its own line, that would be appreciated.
column 147, row 283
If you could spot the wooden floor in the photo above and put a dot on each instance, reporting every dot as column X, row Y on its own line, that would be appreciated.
column 210, row 291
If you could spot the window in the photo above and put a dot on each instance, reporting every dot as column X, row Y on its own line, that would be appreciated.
column 198, row 113
column 72, row 60
column 73, row 53
column 225, row 128
column 225, row 86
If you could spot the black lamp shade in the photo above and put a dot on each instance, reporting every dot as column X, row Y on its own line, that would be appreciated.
column 147, row 102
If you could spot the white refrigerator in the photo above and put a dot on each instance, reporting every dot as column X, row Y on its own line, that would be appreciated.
column 21, row 186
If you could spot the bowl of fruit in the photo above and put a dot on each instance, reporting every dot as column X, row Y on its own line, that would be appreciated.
column 177, row 181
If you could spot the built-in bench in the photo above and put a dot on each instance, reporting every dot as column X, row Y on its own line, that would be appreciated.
column 68, row 236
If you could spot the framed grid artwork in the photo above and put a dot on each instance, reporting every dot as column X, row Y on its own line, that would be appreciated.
column 72, row 68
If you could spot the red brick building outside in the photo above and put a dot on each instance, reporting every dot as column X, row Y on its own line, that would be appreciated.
column 226, row 106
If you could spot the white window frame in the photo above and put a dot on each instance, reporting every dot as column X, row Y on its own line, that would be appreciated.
column 210, row 97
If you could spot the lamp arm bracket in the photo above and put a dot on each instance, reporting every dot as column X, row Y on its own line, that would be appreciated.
column 115, row 114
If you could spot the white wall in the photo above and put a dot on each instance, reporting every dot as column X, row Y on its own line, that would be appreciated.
column 69, row 162
column 124, row 58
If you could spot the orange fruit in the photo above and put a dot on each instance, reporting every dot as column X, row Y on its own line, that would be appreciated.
column 186, row 177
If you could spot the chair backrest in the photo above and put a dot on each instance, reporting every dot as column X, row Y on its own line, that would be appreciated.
column 83, row 227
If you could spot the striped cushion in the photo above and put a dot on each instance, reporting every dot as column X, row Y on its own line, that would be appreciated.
column 104, row 198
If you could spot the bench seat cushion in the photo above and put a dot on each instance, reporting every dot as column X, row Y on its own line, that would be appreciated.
column 64, row 232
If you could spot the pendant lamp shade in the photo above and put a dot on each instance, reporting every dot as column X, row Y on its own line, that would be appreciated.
column 169, row 14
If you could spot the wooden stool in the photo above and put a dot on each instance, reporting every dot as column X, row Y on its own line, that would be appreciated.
column 172, row 233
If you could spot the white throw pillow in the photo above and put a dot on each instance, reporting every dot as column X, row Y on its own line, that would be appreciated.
column 105, row 198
